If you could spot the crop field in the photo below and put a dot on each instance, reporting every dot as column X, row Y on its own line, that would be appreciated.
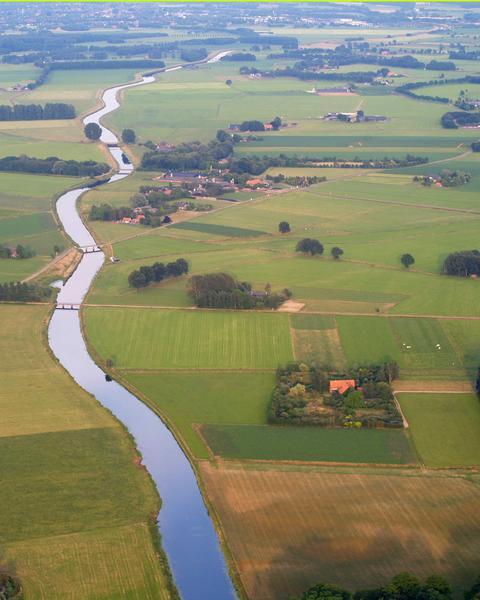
column 289, row 528
column 68, row 463
column 444, row 427
column 139, row 339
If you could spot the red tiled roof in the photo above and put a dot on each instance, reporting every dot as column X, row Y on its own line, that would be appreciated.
column 341, row 385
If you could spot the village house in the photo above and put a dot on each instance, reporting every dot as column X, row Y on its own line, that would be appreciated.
column 256, row 183
column 341, row 385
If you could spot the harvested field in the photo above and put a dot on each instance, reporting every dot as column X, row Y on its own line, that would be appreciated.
column 288, row 529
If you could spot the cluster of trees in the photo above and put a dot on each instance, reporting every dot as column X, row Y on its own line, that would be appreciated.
column 309, row 246
column 454, row 120
column 9, row 587
column 302, row 397
column 359, row 53
column 18, row 252
column 187, row 156
column 240, row 57
column 446, row 178
column 157, row 272
column 401, row 587
column 300, row 73
column 23, row 292
column 36, row 112
column 52, row 166
column 463, row 264
column 315, row 248
column 107, row 212
column 255, row 125
column 296, row 181
column 193, row 54
column 221, row 290
column 68, row 65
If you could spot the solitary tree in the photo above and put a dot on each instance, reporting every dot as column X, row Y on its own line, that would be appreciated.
column 309, row 246
column 92, row 131
column 222, row 136
column 284, row 227
column 128, row 136
column 276, row 123
column 336, row 252
column 229, row 82
column 407, row 260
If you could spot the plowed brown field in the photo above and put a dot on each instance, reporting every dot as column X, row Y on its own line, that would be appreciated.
column 290, row 528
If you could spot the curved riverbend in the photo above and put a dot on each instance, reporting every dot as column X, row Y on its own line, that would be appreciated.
column 188, row 535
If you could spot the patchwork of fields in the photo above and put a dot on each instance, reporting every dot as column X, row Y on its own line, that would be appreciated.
column 296, row 505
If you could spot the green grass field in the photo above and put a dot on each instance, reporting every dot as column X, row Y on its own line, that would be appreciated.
column 77, row 501
column 200, row 397
column 308, row 444
column 144, row 339
column 444, row 428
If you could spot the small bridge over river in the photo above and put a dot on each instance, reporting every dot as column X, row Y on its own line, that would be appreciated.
column 67, row 306
column 90, row 249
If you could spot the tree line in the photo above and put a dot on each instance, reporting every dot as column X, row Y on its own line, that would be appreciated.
column 37, row 112
column 23, row 292
column 52, row 166
column 156, row 273
column 403, row 586
column 454, row 120
column 407, row 88
column 19, row 251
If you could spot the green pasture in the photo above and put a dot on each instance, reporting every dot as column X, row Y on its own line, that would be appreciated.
column 444, row 427
column 199, row 397
column 77, row 501
column 13, row 74
column 189, row 339
column 423, row 348
column 78, row 87
column 309, row 444
column 16, row 144
column 185, row 105
column 343, row 286
column 16, row 270
column 452, row 90
column 317, row 322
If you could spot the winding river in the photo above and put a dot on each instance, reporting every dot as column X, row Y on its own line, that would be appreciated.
column 188, row 535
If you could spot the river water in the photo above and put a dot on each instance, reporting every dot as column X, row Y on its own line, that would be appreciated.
column 188, row 535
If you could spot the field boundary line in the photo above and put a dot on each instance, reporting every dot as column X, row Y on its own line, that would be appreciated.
column 274, row 312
